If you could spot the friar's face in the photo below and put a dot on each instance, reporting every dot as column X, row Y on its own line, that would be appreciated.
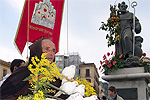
column 48, row 47
column 123, row 8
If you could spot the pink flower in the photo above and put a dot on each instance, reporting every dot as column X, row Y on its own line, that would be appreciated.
column 144, row 54
column 108, row 54
column 115, row 52
column 101, row 70
column 109, row 65
column 120, row 55
column 101, row 62
column 110, row 59
column 104, row 57
column 100, row 67
column 112, row 53
column 106, row 61
column 114, row 62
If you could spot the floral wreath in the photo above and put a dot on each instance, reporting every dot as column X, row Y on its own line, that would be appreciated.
column 111, row 62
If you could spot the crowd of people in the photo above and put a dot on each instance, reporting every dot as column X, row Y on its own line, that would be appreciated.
column 14, row 86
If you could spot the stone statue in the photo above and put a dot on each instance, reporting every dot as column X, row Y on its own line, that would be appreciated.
column 125, row 45
column 138, row 44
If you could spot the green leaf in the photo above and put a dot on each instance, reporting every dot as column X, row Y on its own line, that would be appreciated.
column 27, row 78
column 31, row 89
column 107, row 36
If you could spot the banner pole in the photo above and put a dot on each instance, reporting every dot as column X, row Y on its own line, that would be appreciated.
column 67, row 36
column 28, row 31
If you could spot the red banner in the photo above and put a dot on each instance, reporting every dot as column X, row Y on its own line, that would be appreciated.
column 40, row 18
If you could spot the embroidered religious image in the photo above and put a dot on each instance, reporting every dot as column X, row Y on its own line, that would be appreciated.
column 44, row 14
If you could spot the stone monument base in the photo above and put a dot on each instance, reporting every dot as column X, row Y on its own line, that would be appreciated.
column 131, row 83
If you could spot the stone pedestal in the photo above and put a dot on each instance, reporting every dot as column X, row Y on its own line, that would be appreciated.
column 131, row 83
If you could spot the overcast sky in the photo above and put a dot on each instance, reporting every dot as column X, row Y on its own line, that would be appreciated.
column 84, row 20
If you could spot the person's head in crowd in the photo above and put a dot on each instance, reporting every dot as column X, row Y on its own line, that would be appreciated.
column 16, row 63
column 40, row 46
column 111, row 91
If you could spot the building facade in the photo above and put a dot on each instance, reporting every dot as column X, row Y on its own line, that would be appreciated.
column 89, row 72
column 4, row 68
column 63, row 61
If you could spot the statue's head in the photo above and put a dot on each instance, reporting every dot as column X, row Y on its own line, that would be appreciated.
column 122, row 7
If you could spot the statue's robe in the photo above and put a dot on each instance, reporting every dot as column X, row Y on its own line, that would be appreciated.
column 125, row 44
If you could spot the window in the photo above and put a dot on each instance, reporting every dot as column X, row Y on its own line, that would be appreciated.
column 89, row 80
column 87, row 72
column 4, row 72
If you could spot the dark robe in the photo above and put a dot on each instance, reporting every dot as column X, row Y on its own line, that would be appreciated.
column 14, row 85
